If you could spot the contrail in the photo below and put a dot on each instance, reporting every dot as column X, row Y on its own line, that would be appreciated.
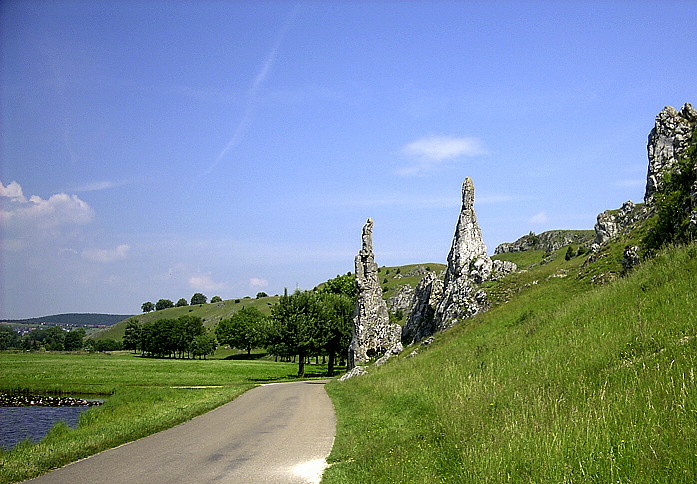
column 254, row 88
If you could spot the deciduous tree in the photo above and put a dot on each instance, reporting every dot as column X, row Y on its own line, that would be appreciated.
column 163, row 304
column 243, row 330
column 198, row 298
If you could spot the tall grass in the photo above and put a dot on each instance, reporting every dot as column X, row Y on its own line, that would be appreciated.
column 562, row 384
column 147, row 395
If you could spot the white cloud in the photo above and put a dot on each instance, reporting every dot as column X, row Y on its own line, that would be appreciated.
column 439, row 148
column 205, row 282
column 23, row 215
column 12, row 191
column 433, row 150
column 257, row 282
column 539, row 218
column 107, row 255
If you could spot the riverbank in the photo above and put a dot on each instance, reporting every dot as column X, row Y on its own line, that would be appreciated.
column 32, row 400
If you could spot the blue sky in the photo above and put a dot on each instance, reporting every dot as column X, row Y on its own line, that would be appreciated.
column 156, row 149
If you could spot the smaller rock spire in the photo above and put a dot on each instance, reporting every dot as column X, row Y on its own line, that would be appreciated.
column 373, row 334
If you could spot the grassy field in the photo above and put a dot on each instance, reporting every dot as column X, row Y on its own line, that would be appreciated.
column 147, row 395
column 566, row 382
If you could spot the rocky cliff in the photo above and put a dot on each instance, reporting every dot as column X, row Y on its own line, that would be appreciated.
column 668, row 142
column 548, row 241
column 611, row 223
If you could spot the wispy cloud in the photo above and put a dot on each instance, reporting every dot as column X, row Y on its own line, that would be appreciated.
column 415, row 202
column 107, row 255
column 204, row 282
column 539, row 218
column 252, row 94
column 428, row 152
column 258, row 282
column 98, row 185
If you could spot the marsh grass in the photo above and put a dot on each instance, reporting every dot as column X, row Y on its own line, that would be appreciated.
column 146, row 396
column 567, row 382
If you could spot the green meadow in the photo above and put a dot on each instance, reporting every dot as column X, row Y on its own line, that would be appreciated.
column 144, row 395
column 567, row 382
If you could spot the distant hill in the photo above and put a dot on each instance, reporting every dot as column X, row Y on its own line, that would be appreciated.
column 75, row 319
column 211, row 314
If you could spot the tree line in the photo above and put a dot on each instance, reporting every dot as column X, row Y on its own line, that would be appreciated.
column 184, row 337
column 53, row 338
column 161, row 304
column 301, row 325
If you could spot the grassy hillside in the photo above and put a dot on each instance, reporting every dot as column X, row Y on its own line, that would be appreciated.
column 392, row 278
column 566, row 382
column 211, row 314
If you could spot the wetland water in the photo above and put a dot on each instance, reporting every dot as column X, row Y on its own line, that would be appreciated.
column 32, row 416
column 32, row 422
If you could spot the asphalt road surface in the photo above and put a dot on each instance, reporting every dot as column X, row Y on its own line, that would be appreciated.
column 276, row 433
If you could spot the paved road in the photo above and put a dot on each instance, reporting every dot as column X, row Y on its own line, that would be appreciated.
column 277, row 433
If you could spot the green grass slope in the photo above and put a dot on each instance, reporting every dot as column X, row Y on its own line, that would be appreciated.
column 568, row 381
column 211, row 313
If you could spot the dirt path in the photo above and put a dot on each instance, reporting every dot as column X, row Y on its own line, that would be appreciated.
column 277, row 433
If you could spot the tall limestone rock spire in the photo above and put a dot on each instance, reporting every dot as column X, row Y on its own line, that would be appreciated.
column 468, row 266
column 372, row 332
column 468, row 244
column 668, row 142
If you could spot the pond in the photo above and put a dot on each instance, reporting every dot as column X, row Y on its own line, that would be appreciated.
column 31, row 417
column 20, row 423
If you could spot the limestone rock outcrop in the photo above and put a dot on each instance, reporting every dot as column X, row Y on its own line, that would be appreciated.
column 611, row 223
column 548, row 241
column 373, row 334
column 420, row 324
column 355, row 371
column 402, row 300
column 668, row 142
column 630, row 258
column 468, row 266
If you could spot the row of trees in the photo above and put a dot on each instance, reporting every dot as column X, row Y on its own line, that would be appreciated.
column 53, row 338
column 182, row 337
column 161, row 304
